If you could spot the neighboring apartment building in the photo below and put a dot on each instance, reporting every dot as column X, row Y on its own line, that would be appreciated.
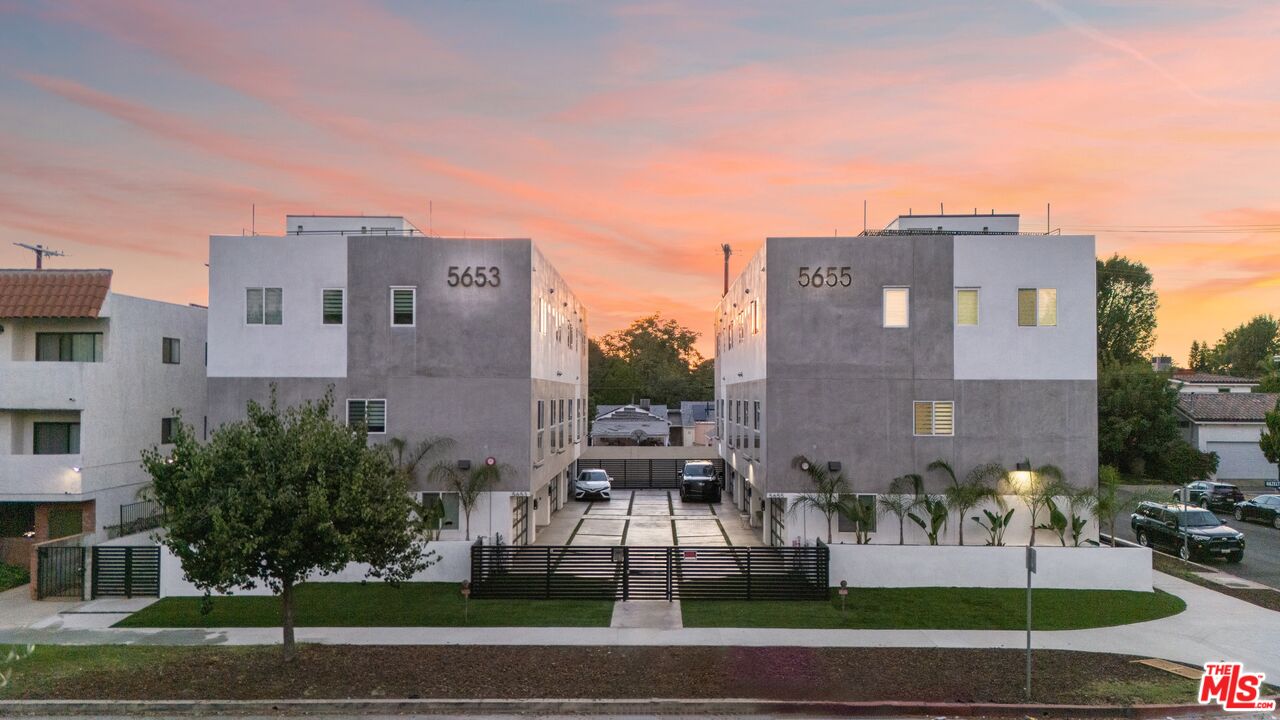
column 480, row 341
column 1229, row 423
column 88, row 379
column 1199, row 382
column 942, row 337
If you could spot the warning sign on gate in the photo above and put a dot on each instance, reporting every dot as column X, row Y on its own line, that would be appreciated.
column 690, row 554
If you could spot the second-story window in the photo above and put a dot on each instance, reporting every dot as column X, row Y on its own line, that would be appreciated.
column 332, row 306
column 55, row 438
column 168, row 428
column 263, row 306
column 966, row 306
column 403, row 306
column 934, row 417
column 69, row 347
column 1037, row 306
column 170, row 351
column 897, row 304
column 541, row 423
column 373, row 413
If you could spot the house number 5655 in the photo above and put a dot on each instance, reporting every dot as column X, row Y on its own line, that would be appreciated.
column 825, row 277
column 478, row 276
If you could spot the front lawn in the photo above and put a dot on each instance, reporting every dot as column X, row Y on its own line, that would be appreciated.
column 941, row 609
column 373, row 604
column 11, row 576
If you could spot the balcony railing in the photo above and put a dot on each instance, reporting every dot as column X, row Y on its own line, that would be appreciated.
column 137, row 517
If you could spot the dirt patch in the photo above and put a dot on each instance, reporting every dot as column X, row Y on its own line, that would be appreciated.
column 847, row 674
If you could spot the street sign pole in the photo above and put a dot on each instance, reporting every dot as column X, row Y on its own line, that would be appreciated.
column 1031, row 568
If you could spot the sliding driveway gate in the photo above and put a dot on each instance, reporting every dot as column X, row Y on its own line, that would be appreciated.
column 126, row 571
column 649, row 573
column 643, row 473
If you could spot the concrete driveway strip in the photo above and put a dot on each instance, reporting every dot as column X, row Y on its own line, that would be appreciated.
column 1214, row 627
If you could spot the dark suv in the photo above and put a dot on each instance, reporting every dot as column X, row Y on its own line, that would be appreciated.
column 1212, row 495
column 1191, row 531
column 698, row 479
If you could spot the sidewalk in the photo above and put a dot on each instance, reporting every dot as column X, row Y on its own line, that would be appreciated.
column 1214, row 627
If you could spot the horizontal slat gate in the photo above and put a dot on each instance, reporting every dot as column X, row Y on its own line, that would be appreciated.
column 659, row 474
column 649, row 573
column 126, row 571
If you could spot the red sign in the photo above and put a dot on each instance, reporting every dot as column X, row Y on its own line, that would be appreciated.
column 1233, row 689
column 690, row 554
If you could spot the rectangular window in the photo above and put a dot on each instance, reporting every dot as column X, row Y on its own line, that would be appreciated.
column 755, row 318
column 570, row 423
column 69, row 347
column 403, row 303
column 56, row 438
column 541, row 416
column 1027, row 307
column 562, row 424
column 332, row 306
column 897, row 302
column 274, row 306
column 934, row 417
column 967, row 306
column 168, row 426
column 542, row 316
column 443, row 507
column 1037, row 306
column 263, row 306
column 868, row 503
column 171, row 351
column 372, row 413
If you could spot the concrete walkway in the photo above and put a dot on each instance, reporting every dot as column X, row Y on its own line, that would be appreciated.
column 1214, row 627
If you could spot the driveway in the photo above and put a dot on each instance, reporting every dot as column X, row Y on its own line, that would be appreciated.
column 649, row 518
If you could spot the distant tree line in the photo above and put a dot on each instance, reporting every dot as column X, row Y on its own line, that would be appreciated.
column 654, row 358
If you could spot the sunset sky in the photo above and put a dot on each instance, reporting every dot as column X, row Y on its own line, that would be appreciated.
column 630, row 140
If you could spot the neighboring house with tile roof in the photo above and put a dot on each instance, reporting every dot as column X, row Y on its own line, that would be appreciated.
column 88, row 379
column 631, row 425
column 1199, row 382
column 1229, row 424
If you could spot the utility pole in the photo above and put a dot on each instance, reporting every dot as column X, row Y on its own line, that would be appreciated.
column 41, row 253
column 727, row 252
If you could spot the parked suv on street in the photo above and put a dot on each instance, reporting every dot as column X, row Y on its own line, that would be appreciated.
column 698, row 479
column 1212, row 495
column 1192, row 532
column 592, row 483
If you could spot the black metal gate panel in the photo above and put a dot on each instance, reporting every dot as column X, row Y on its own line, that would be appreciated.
column 60, row 572
column 126, row 571
column 643, row 474
column 650, row 573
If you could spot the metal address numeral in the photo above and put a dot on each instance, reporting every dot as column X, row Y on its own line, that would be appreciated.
column 830, row 277
column 478, row 276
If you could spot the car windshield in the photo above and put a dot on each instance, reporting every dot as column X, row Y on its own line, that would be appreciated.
column 1199, row 518
column 593, row 475
column 698, row 470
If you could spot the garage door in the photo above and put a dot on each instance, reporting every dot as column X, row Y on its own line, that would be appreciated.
column 1241, row 461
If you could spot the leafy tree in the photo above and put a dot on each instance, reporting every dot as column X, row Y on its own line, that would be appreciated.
column 654, row 358
column 1243, row 349
column 961, row 497
column 1269, row 382
column 1197, row 359
column 1269, row 439
column 1181, row 462
column 1036, row 489
column 279, row 496
column 827, row 490
column 469, row 484
column 1136, row 419
column 1126, row 311
column 904, row 493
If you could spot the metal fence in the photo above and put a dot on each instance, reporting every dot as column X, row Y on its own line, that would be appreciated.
column 60, row 572
column 137, row 517
column 126, row 571
column 644, row 474
column 650, row 573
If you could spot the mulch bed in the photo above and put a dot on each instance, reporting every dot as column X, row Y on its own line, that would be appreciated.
column 843, row 674
column 1269, row 599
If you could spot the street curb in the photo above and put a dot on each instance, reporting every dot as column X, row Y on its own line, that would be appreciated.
column 735, row 706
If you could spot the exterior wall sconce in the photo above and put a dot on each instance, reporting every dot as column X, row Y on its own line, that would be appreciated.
column 804, row 465
column 464, row 464
column 833, row 466
column 1021, row 475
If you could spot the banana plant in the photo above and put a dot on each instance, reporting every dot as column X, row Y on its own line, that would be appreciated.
column 995, row 525
column 1058, row 522
column 936, row 513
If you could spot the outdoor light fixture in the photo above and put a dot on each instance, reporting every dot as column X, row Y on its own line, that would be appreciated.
column 491, row 461
column 464, row 464
column 834, row 466
column 804, row 465
column 76, row 468
column 1022, row 473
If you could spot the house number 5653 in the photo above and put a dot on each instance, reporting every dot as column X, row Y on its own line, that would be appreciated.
column 477, row 276
column 825, row 277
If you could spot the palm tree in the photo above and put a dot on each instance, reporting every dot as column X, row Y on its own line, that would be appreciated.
column 1107, row 500
column 825, row 497
column 961, row 497
column 469, row 484
column 1035, row 489
column 406, row 460
column 904, row 494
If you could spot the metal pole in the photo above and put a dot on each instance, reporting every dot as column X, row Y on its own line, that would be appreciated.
column 1028, row 631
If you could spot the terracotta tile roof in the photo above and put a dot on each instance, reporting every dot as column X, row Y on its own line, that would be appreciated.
column 1199, row 378
column 53, row 293
column 1227, row 407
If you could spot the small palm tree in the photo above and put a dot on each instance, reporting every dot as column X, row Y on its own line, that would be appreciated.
column 1035, row 489
column 827, row 489
column 962, row 497
column 1108, row 500
column 904, row 494
column 468, row 484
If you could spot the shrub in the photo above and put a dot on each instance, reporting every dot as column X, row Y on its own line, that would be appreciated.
column 1181, row 463
column 12, row 576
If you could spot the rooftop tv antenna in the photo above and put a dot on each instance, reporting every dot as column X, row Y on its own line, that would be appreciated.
column 41, row 253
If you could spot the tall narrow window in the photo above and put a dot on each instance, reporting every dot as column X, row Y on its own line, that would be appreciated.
column 403, row 304
column 934, row 417
column 541, row 424
column 170, row 351
column 967, row 306
column 1027, row 307
column 168, row 427
column 897, row 303
column 253, row 306
column 332, row 306
column 373, row 413
column 755, row 318
column 562, row 424
column 274, row 306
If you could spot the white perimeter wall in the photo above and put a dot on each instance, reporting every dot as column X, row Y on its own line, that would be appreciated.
column 997, row 348
column 1084, row 568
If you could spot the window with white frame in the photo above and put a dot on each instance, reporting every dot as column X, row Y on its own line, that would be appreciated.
column 867, row 523
column 934, row 417
column 333, row 306
column 897, row 307
column 541, row 424
column 371, row 413
column 966, row 306
column 562, row 423
column 263, row 306
column 441, row 509
column 1037, row 307
column 403, row 306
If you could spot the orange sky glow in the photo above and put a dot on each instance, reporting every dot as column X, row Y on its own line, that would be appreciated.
column 630, row 140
